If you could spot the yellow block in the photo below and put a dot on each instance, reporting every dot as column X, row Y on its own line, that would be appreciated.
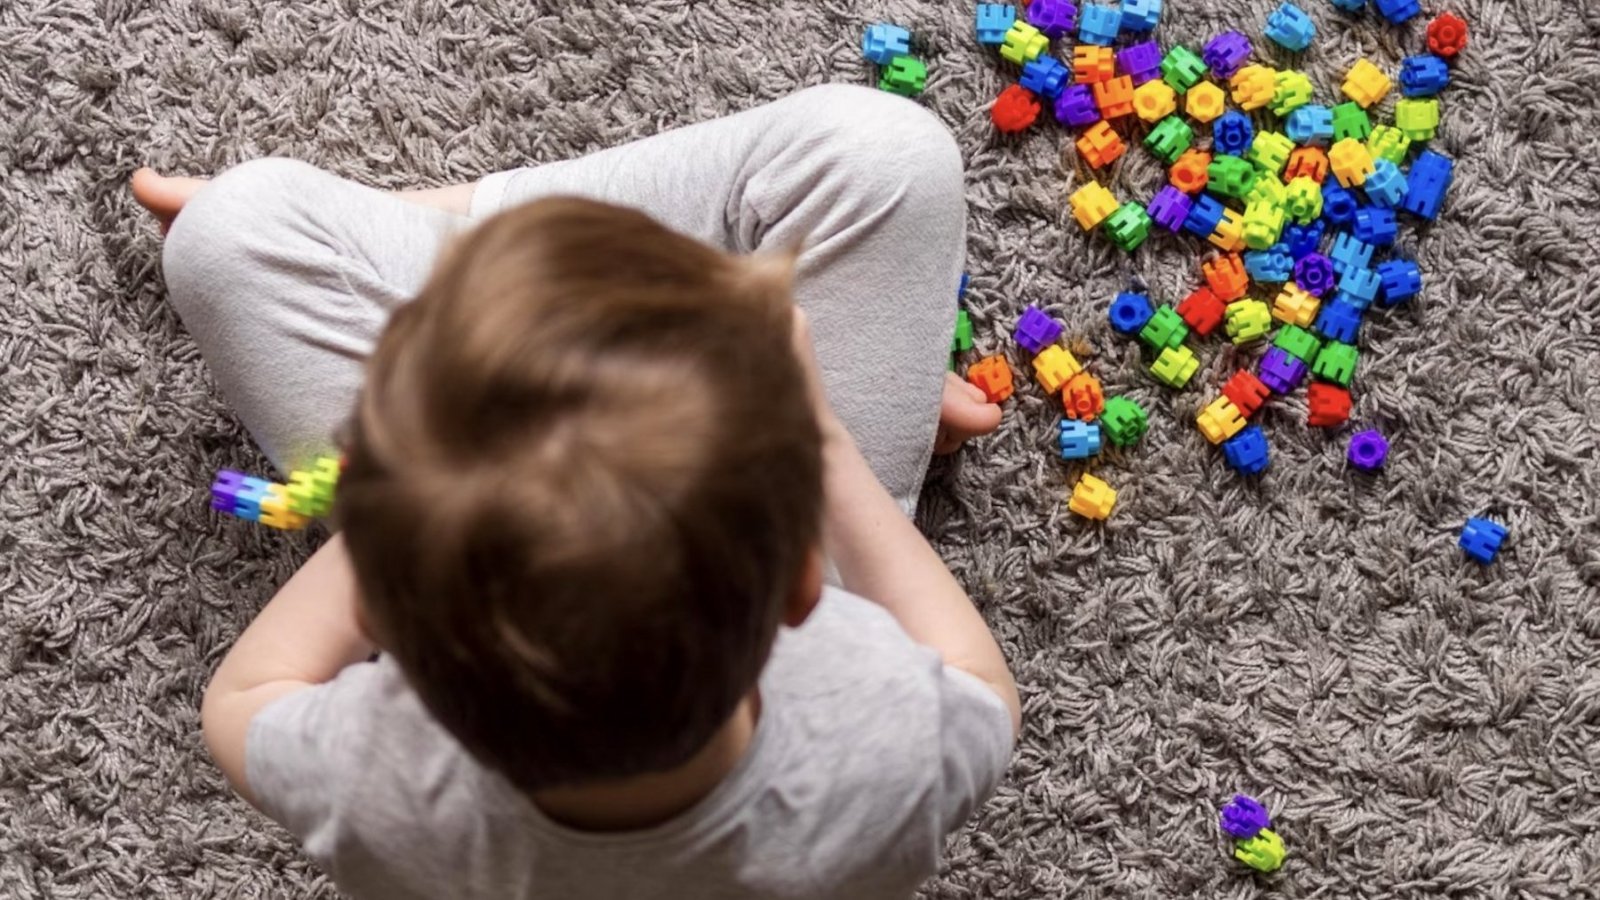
column 1092, row 204
column 1092, row 498
column 1054, row 367
column 1220, row 420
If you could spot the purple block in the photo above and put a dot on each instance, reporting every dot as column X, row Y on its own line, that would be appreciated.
column 1314, row 273
column 1036, row 331
column 1170, row 208
column 1368, row 450
column 1053, row 17
column 1076, row 106
column 1243, row 817
column 1281, row 372
column 225, row 490
column 1142, row 61
column 1226, row 52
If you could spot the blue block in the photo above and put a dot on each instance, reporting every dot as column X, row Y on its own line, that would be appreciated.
column 961, row 292
column 1427, row 184
column 1350, row 5
column 1290, row 27
column 1273, row 264
column 1204, row 215
column 1247, row 451
column 1401, row 279
column 1349, row 252
column 1423, row 75
column 994, row 20
column 1130, row 312
column 1304, row 240
column 1099, row 25
column 882, row 43
column 247, row 501
column 1310, row 124
column 1232, row 133
column 1141, row 16
column 1481, row 539
column 1360, row 287
column 1386, row 186
column 1079, row 440
column 1338, row 204
column 1338, row 321
column 1375, row 225
column 1398, row 11
column 1046, row 76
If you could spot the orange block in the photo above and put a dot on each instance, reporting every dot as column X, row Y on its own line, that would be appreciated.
column 1114, row 97
column 1226, row 277
column 1310, row 162
column 1100, row 145
column 1188, row 174
column 1092, row 64
column 1083, row 397
column 992, row 376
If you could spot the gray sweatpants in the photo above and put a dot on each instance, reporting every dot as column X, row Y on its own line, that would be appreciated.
column 286, row 274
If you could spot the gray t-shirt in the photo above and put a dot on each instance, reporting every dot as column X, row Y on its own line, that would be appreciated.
column 867, row 752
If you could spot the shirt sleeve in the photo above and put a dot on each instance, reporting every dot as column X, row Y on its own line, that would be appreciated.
column 976, row 743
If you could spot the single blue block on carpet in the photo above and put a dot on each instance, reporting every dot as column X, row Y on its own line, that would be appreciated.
column 1130, row 312
column 1398, row 11
column 1375, row 225
column 1046, row 76
column 1079, row 440
column 1423, row 75
column 1310, row 124
column 882, row 43
column 993, row 21
column 1247, row 451
column 1360, row 286
column 1099, row 25
column 1402, row 280
column 1481, row 539
column 1291, row 27
column 1350, row 5
column 1427, row 183
column 1141, row 16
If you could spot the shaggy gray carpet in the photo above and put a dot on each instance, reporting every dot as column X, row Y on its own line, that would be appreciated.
column 1420, row 725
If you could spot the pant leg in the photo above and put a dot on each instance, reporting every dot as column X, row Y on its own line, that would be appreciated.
column 285, row 275
column 871, row 184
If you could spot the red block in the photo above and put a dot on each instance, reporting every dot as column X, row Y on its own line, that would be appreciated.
column 1202, row 311
column 1246, row 391
column 1015, row 109
column 1447, row 35
column 1330, row 405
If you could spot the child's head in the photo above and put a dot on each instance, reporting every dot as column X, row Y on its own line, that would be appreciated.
column 583, row 485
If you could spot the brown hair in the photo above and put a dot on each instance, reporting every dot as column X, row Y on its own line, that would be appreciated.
column 583, row 481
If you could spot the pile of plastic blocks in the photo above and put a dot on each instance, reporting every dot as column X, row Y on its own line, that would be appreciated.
column 1247, row 823
column 307, row 495
column 889, row 48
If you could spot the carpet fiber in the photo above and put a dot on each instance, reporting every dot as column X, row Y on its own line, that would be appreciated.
column 1418, row 724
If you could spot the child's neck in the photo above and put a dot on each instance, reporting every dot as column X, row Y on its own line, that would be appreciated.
column 646, row 800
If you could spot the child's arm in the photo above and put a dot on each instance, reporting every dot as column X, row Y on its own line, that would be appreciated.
column 305, row 636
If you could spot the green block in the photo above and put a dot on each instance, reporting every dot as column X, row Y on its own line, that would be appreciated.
column 1302, row 200
column 1297, row 342
column 904, row 75
column 1269, row 151
column 1230, row 176
column 1336, row 362
column 1123, row 421
column 1165, row 329
column 1263, row 224
column 1293, row 90
column 1350, row 120
column 1247, row 320
column 1388, row 142
column 1267, row 189
column 963, row 336
column 1170, row 138
column 1417, row 117
column 1182, row 68
column 1128, row 226
column 1175, row 366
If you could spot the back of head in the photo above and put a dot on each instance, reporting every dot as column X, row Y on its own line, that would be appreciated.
column 582, row 482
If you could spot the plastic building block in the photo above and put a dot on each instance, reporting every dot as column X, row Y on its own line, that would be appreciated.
column 1175, row 366
column 883, row 42
column 1142, row 63
column 310, row 491
column 1092, row 498
column 1076, row 106
column 1140, row 16
column 1307, row 162
column 1297, row 342
column 1220, row 420
column 1447, row 35
column 1427, row 183
column 1114, row 97
column 1339, row 321
column 1182, row 68
column 1263, row 224
column 1023, row 43
column 1246, row 392
column 961, row 290
column 1092, row 204
column 1417, row 117
column 1253, row 87
column 1312, row 123
column 1338, row 205
column 1202, row 311
column 1269, row 151
column 1204, row 216
column 1100, row 146
column 1123, row 421
column 993, row 20
column 992, row 376
column 1230, row 176
column 1351, row 5
column 1226, row 52
column 1368, row 450
column 1267, row 189
column 1280, row 371
column 1303, row 240
column 1092, row 64
column 1375, row 225
column 225, row 490
column 1128, row 226
column 1366, row 84
column 1388, row 142
column 1015, row 109
column 1169, row 207
column 1481, row 539
column 1079, row 440
column 1247, row 451
column 1099, row 24
column 1188, row 174
column 1291, row 90
column 1351, row 162
column 276, row 512
column 1082, row 397
column 1226, row 277
column 1336, row 362
column 1329, row 405
column 1204, row 102
column 1247, row 320
column 1165, row 329
column 1423, row 75
column 1302, row 200
column 1154, row 101
column 1359, row 286
column 1264, row 852
column 1398, row 11
column 1243, row 818
column 1129, row 313
column 1232, row 133
column 1169, row 139
column 1294, row 306
column 1273, row 265
column 1229, row 235
column 961, row 340
column 1036, row 330
column 1351, row 121
column 1315, row 274
column 1053, row 18
column 1290, row 27
column 1054, row 367
column 1046, row 76
column 1349, row 252
column 904, row 75
column 1401, row 280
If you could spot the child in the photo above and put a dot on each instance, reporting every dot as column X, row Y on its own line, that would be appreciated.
column 591, row 480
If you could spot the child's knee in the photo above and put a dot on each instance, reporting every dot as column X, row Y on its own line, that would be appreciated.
column 889, row 148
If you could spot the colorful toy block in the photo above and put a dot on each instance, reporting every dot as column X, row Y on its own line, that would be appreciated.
column 1349, row 252
column 1129, row 226
column 1082, row 397
column 1417, row 117
column 1339, row 321
column 1302, row 200
column 249, row 497
column 1398, row 11
column 961, row 340
column 276, row 512
column 1099, row 145
column 1220, row 420
column 1291, row 90
column 1047, row 77
column 1246, row 392
column 1053, row 18
column 1175, row 366
column 1023, row 43
column 1247, row 320
column 1273, row 265
column 1263, row 224
column 1427, row 183
column 1401, row 279
column 225, row 490
column 1359, row 286
column 1269, row 151
column 1351, row 121
column 1294, row 306
column 1204, row 102
column 1036, row 330
column 1129, row 313
column 1481, row 539
column 1229, row 234
column 1079, row 440
column 1169, row 208
column 1169, row 139
column 1232, row 133
column 1202, row 311
column 1165, row 329
column 1423, row 75
column 1054, row 367
column 1368, row 450
column 1226, row 277
column 1099, row 25
column 1092, row 64
column 1264, row 852
column 1123, row 421
column 1015, row 109
column 992, row 376
column 1230, row 176
column 1307, row 162
column 1280, row 371
column 1204, row 216
column 1366, row 84
column 1076, row 107
column 1290, row 27
column 1336, row 362
column 1303, row 240
column 1182, row 68
column 1338, row 204
column 1388, row 142
column 1268, row 188
column 883, row 42
column 1141, row 62
column 1114, row 97
column 1253, row 86
column 1447, row 35
column 1375, row 225
column 993, row 20
column 1296, row 341
column 1247, row 451
column 311, row 491
column 1329, row 405
column 1092, row 498
column 1140, row 16
column 1226, row 52
column 1350, row 5
column 1243, row 818
column 1351, row 162
column 1315, row 274
column 1312, row 123
column 1092, row 204
column 1154, row 100
column 904, row 75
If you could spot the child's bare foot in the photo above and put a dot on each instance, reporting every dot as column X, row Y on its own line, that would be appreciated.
column 963, row 414
column 164, row 196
